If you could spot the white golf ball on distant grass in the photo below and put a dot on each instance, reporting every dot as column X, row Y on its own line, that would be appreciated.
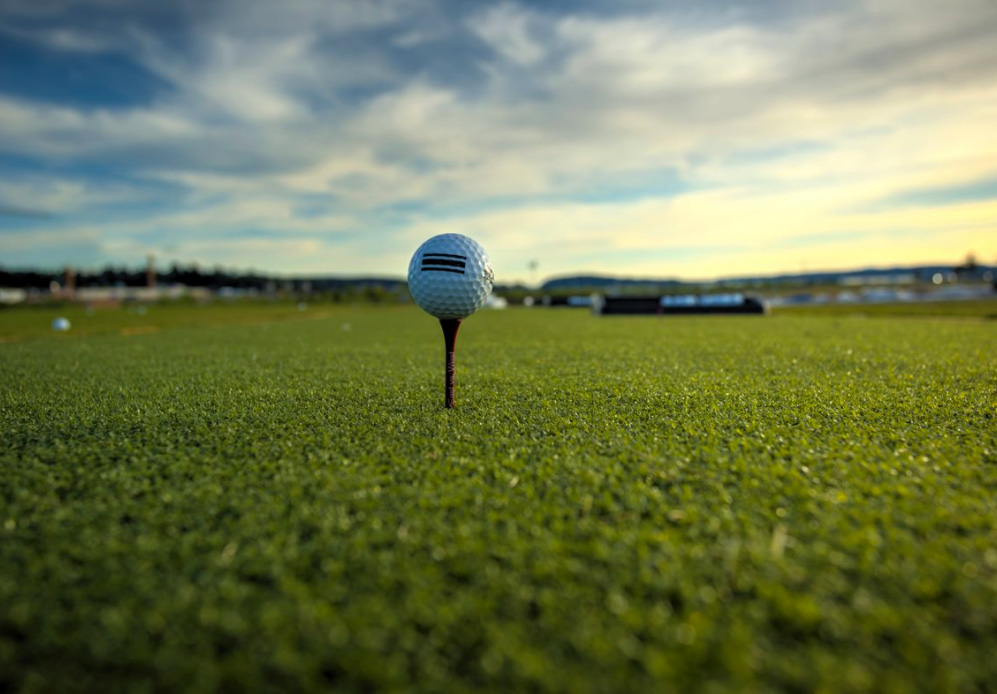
column 450, row 276
column 61, row 325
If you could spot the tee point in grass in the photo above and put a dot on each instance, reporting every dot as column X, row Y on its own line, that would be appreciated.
column 450, row 278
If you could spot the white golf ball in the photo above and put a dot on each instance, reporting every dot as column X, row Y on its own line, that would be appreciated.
column 61, row 324
column 450, row 276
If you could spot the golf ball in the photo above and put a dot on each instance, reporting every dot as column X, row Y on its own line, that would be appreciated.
column 61, row 324
column 450, row 276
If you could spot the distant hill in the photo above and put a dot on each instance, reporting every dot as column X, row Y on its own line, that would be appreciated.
column 596, row 282
column 604, row 283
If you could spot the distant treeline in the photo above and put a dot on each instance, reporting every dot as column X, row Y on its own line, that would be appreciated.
column 110, row 276
column 193, row 276
column 380, row 288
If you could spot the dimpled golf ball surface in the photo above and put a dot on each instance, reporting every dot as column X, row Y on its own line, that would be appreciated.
column 449, row 276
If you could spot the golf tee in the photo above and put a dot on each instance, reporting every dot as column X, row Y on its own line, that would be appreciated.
column 450, row 327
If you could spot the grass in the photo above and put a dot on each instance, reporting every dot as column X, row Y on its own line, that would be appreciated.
column 983, row 308
column 25, row 322
column 722, row 504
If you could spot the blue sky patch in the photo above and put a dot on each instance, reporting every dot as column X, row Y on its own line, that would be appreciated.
column 73, row 78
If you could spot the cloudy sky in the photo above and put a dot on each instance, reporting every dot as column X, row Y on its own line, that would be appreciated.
column 627, row 137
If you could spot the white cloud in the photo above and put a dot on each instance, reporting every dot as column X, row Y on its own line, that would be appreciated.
column 262, row 17
column 506, row 28
column 63, row 39
column 249, row 82
column 46, row 196
column 27, row 244
column 635, row 59
column 57, row 131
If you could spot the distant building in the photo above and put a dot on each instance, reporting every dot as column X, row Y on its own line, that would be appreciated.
column 12, row 296
column 104, row 295
column 683, row 304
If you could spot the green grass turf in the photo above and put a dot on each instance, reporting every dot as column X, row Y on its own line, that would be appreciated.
column 981, row 308
column 620, row 504
column 24, row 322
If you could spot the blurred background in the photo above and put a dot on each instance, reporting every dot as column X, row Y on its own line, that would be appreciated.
column 808, row 152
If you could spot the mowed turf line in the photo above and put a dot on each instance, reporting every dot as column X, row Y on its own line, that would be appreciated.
column 985, row 308
column 620, row 504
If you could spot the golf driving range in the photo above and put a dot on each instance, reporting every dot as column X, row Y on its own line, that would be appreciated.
column 277, row 500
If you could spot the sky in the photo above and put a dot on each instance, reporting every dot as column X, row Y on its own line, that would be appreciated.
column 627, row 137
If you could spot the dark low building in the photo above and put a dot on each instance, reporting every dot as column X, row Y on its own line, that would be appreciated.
column 687, row 304
column 628, row 305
